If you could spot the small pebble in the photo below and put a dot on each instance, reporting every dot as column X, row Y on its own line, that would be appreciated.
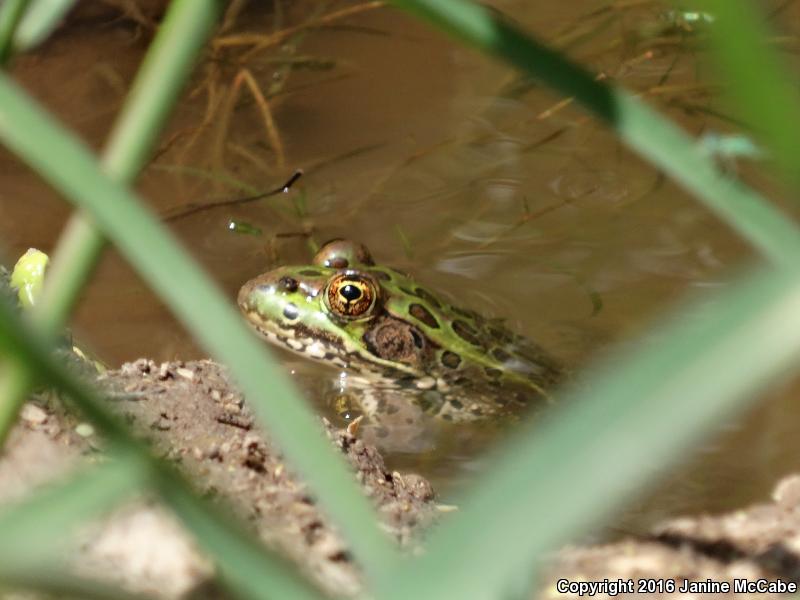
column 33, row 414
column 787, row 492
column 163, row 371
column 352, row 427
column 84, row 430
column 185, row 373
column 251, row 440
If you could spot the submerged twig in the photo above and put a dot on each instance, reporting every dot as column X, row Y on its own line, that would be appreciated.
column 260, row 41
column 266, row 114
column 194, row 209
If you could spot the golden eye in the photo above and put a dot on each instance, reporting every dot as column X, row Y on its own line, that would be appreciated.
column 350, row 295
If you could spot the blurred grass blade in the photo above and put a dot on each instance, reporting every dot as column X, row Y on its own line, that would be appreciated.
column 612, row 435
column 763, row 88
column 39, row 526
column 166, row 67
column 163, row 73
column 39, row 21
column 68, row 165
column 11, row 12
column 644, row 130
column 52, row 580
column 245, row 564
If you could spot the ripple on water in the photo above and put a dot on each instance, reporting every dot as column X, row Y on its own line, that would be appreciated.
column 606, row 186
column 472, row 265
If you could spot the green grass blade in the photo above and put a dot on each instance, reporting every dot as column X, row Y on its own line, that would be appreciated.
column 641, row 128
column 166, row 67
column 162, row 75
column 614, row 433
column 50, row 579
column 38, row 527
column 763, row 88
column 11, row 12
column 69, row 166
column 39, row 21
column 245, row 565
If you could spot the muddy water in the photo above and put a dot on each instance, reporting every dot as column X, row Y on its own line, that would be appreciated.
column 444, row 164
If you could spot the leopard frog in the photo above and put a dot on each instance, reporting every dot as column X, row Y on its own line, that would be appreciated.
column 404, row 346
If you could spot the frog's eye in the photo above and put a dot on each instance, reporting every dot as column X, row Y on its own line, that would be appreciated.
column 351, row 295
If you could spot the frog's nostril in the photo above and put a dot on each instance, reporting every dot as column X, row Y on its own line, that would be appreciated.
column 287, row 284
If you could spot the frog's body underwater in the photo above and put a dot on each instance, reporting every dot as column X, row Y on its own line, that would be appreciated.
column 407, row 352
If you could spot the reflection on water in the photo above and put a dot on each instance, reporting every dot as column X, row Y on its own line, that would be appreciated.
column 444, row 164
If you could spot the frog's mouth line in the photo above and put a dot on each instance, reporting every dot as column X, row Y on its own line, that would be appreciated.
column 301, row 340
column 317, row 348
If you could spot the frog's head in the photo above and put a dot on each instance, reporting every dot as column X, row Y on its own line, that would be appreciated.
column 333, row 311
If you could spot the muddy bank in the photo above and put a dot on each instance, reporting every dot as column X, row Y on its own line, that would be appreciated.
column 193, row 416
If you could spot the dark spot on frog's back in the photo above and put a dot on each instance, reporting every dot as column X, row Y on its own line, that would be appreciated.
column 467, row 314
column 382, row 275
column 423, row 315
column 450, row 360
column 493, row 373
column 466, row 332
column 399, row 272
column 428, row 297
column 501, row 334
column 501, row 355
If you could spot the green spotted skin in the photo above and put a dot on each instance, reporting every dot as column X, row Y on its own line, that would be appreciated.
column 391, row 333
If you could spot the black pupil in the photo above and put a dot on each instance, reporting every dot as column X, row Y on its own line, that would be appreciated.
column 350, row 292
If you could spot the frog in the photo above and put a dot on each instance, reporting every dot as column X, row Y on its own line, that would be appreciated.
column 407, row 353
